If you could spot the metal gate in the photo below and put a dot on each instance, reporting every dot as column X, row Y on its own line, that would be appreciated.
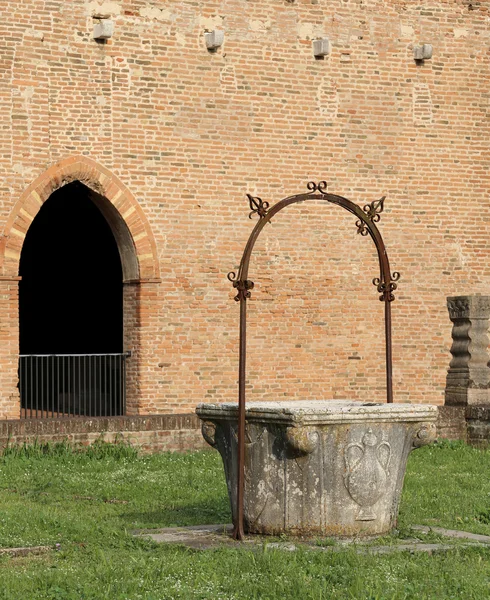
column 72, row 385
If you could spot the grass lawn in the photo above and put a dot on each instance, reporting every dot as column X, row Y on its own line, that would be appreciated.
column 88, row 502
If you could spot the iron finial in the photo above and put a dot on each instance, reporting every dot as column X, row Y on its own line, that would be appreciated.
column 386, row 289
column 258, row 206
column 373, row 211
column 243, row 286
column 321, row 187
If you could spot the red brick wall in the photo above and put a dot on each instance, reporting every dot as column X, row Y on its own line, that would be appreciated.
column 156, row 433
column 176, row 136
column 9, row 344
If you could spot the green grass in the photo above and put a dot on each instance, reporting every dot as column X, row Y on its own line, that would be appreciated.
column 448, row 485
column 88, row 502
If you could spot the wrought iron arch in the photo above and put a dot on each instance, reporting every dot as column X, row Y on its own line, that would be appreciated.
column 367, row 217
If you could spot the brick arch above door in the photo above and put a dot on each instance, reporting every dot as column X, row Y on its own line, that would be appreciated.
column 121, row 209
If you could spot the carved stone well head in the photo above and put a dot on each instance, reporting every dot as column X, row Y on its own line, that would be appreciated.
column 319, row 467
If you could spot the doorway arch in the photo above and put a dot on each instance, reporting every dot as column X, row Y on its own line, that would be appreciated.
column 120, row 208
column 70, row 292
column 135, row 245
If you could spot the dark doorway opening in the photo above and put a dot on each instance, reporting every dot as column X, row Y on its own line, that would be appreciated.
column 71, row 288
column 71, row 309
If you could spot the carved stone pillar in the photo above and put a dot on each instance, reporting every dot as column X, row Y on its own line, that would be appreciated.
column 468, row 377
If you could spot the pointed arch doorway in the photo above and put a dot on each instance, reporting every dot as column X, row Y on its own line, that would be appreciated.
column 70, row 292
column 71, row 310
column 137, row 275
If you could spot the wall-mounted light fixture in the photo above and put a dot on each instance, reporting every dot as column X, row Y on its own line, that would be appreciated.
column 103, row 28
column 214, row 39
column 321, row 47
column 422, row 52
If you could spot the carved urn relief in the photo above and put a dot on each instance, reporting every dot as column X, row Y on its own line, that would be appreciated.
column 367, row 465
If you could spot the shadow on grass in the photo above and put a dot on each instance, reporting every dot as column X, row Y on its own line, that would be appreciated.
column 201, row 513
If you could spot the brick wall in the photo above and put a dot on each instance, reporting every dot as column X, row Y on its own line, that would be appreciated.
column 152, row 433
column 174, row 136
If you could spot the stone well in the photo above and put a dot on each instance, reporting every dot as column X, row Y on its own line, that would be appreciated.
column 319, row 467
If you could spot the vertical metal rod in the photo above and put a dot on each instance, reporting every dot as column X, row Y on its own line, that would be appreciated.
column 71, row 394
column 122, row 375
column 389, row 364
column 51, row 386
column 31, row 408
column 91, row 383
column 100, row 385
column 30, row 386
column 26, row 384
column 86, row 362
column 238, row 532
column 118, row 385
column 107, row 409
column 73, row 384
column 21, row 386
column 25, row 363
column 97, row 386
column 63, row 383
column 104, row 368
column 85, row 386
column 42, row 387
column 37, row 388
column 110, row 387
column 77, row 384
column 96, row 398
column 75, row 400
column 58, row 385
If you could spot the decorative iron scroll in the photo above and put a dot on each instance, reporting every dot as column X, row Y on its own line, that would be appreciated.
column 321, row 187
column 386, row 290
column 373, row 211
column 243, row 287
column 257, row 206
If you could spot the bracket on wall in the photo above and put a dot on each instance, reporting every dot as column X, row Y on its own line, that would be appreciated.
column 103, row 28
column 214, row 39
column 321, row 47
column 423, row 52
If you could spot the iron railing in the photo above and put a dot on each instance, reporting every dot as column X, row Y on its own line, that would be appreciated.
column 72, row 385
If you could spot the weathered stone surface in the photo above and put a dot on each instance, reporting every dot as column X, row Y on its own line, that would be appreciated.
column 453, row 533
column 319, row 467
column 468, row 377
column 25, row 551
column 214, row 39
column 478, row 425
column 321, row 47
column 423, row 52
column 451, row 422
column 103, row 29
column 203, row 537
